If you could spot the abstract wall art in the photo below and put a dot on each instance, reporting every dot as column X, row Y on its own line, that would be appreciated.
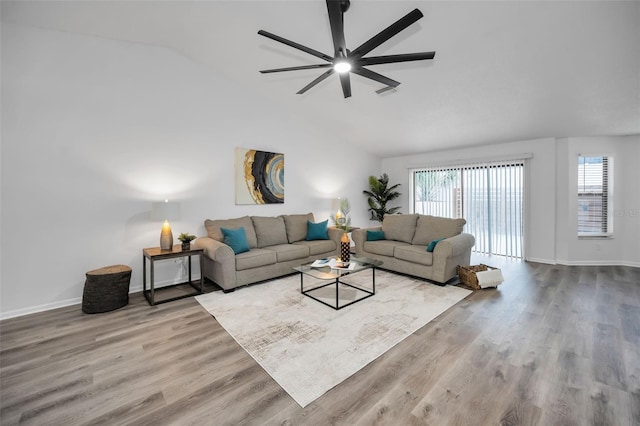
column 259, row 177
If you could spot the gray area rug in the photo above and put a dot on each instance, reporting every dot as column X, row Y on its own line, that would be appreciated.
column 307, row 347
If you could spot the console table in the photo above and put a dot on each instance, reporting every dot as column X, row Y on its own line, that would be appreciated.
column 155, row 254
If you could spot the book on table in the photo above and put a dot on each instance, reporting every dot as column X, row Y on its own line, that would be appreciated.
column 333, row 264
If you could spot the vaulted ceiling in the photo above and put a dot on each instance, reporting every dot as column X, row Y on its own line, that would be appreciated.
column 503, row 71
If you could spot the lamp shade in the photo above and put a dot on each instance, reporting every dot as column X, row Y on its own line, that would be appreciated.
column 165, row 210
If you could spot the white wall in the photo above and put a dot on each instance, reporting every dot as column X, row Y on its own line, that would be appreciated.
column 624, row 247
column 550, row 227
column 94, row 130
column 540, row 225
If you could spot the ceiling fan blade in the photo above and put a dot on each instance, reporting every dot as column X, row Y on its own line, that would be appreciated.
column 387, row 33
column 296, row 45
column 336, row 21
column 376, row 77
column 388, row 59
column 303, row 67
column 316, row 81
column 345, row 81
column 384, row 89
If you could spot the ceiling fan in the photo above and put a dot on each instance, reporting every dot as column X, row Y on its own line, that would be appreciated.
column 344, row 60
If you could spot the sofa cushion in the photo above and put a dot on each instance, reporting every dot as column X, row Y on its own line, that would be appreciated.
column 317, row 231
column 415, row 254
column 399, row 227
column 236, row 239
column 213, row 229
column 270, row 231
column 318, row 246
column 383, row 247
column 285, row 252
column 431, row 228
column 296, row 225
column 255, row 258
column 375, row 235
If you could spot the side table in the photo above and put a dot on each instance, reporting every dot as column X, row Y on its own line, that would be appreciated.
column 155, row 254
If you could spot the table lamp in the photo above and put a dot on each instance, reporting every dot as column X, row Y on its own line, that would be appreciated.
column 165, row 211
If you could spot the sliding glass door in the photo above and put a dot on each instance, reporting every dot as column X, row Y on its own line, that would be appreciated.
column 489, row 196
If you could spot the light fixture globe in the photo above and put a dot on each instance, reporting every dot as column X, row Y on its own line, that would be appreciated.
column 342, row 67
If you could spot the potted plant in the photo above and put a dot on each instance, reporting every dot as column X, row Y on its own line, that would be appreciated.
column 379, row 195
column 186, row 240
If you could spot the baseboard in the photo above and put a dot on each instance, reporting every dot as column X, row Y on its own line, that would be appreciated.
column 74, row 301
column 599, row 263
column 540, row 260
column 40, row 308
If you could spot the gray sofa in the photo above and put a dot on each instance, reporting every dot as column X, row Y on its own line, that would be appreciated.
column 277, row 244
column 404, row 247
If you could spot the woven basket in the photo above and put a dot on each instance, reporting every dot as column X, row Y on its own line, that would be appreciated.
column 468, row 276
column 106, row 289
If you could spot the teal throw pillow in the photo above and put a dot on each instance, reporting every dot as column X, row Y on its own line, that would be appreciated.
column 375, row 235
column 236, row 239
column 317, row 231
column 432, row 245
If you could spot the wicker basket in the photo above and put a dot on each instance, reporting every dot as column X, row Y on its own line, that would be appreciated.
column 106, row 289
column 468, row 276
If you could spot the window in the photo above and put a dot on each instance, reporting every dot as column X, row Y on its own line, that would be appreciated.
column 594, row 196
column 490, row 196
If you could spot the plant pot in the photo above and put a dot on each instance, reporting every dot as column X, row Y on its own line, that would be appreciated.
column 186, row 246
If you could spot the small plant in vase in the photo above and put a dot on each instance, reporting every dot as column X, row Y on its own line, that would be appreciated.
column 186, row 239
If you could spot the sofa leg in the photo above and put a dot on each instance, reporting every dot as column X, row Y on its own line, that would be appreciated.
column 228, row 291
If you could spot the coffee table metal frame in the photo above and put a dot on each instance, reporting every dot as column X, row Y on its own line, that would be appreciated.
column 334, row 277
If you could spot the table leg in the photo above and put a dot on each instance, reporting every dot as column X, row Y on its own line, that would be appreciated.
column 374, row 279
column 151, row 284
column 201, row 273
column 144, row 275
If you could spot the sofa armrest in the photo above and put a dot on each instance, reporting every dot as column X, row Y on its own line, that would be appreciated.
column 215, row 250
column 454, row 246
column 359, row 236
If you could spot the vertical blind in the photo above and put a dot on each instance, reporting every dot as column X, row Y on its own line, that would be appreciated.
column 489, row 196
column 593, row 196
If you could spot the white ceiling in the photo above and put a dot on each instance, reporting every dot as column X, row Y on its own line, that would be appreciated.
column 503, row 71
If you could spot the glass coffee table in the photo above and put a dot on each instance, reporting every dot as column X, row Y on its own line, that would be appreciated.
column 331, row 285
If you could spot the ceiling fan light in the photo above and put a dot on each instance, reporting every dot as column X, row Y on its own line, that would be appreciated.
column 342, row 67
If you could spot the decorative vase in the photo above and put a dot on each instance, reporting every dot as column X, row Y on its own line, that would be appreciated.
column 186, row 246
column 345, row 248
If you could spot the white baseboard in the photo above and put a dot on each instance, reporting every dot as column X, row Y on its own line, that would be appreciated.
column 40, row 308
column 74, row 301
column 540, row 260
column 599, row 263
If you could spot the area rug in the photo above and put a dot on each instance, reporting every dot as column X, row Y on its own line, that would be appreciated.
column 307, row 347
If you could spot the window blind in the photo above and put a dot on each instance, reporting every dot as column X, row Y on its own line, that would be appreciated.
column 490, row 196
column 593, row 196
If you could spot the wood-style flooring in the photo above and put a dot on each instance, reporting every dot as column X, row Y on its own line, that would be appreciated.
column 554, row 345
